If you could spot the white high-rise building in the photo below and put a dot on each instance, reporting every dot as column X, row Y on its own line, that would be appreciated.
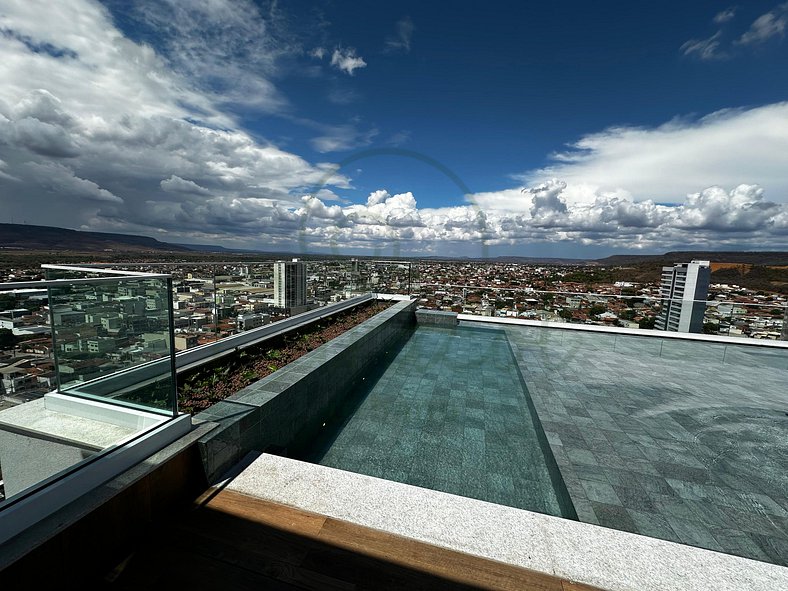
column 684, row 289
column 289, row 284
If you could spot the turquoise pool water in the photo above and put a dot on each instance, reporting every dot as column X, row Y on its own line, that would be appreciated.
column 450, row 413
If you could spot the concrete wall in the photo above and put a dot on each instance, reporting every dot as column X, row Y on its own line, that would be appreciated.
column 291, row 405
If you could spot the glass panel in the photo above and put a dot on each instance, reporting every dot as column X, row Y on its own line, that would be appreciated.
column 27, row 368
column 758, row 317
column 111, row 344
column 103, row 329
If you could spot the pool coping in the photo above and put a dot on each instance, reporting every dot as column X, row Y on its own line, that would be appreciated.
column 639, row 332
column 581, row 552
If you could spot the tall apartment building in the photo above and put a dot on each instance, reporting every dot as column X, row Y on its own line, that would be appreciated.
column 289, row 284
column 684, row 289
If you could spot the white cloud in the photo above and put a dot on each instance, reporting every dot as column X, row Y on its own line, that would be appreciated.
column 318, row 53
column 725, row 15
column 725, row 148
column 742, row 209
column 346, row 60
column 338, row 138
column 705, row 49
column 99, row 131
column 176, row 184
column 400, row 41
column 712, row 218
column 342, row 96
column 61, row 180
column 768, row 25
column 229, row 48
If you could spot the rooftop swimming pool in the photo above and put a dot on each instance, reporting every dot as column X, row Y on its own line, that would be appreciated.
column 450, row 413
column 682, row 440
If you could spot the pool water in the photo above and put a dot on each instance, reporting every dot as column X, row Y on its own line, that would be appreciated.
column 450, row 413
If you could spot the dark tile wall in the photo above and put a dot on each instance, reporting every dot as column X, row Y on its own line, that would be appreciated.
column 285, row 408
column 436, row 318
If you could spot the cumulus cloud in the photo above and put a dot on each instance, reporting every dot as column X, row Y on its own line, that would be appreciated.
column 725, row 148
column 4, row 174
column 400, row 41
column 61, row 180
column 176, row 184
column 99, row 131
column 346, row 60
column 710, row 218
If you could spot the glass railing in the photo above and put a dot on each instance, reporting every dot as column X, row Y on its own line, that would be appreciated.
column 106, row 322
column 765, row 318
column 86, row 364
column 214, row 300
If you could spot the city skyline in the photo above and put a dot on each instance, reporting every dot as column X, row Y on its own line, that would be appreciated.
column 566, row 131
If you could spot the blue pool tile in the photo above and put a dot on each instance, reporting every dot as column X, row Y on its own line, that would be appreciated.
column 450, row 413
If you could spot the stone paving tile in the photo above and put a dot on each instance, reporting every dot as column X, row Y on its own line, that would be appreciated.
column 691, row 438
column 667, row 439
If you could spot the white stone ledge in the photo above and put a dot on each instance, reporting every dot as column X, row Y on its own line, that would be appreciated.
column 659, row 334
column 611, row 559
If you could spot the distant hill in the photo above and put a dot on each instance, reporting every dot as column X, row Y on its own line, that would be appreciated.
column 767, row 271
column 207, row 248
column 24, row 237
column 669, row 258
column 537, row 260
column 28, row 237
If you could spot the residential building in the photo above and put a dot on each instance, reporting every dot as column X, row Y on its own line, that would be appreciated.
column 289, row 284
column 250, row 321
column 684, row 289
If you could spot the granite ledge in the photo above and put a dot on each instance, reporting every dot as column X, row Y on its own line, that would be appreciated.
column 581, row 552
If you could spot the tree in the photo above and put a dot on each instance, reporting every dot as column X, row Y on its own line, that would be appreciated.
column 711, row 328
column 7, row 338
column 596, row 310
column 7, row 302
column 647, row 322
column 565, row 314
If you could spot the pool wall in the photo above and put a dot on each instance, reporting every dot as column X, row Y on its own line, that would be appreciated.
column 556, row 477
column 293, row 403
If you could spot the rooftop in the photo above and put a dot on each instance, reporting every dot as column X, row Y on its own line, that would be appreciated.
column 675, row 444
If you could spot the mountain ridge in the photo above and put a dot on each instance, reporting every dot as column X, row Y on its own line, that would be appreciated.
column 35, row 237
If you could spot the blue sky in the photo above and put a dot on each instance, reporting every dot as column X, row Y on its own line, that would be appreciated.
column 539, row 129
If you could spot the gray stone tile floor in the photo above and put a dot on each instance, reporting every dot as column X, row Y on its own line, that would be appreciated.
column 450, row 414
column 678, row 440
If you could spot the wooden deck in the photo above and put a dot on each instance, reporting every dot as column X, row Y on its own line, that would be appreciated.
column 233, row 541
